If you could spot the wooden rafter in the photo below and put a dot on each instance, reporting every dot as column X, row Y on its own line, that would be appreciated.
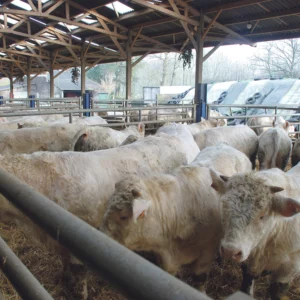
column 189, row 33
column 59, row 19
column 237, row 4
column 166, row 12
column 263, row 16
column 211, row 23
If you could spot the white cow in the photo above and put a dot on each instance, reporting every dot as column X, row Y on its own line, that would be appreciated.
column 177, row 215
column 274, row 149
column 296, row 153
column 181, row 131
column 239, row 137
column 98, row 138
column 29, row 140
column 225, row 159
column 96, row 120
column 195, row 128
column 268, row 122
column 259, row 231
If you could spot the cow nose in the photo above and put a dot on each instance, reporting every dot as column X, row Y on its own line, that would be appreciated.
column 234, row 254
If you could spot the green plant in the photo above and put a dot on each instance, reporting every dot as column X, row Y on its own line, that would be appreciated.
column 20, row 78
column 186, row 56
column 75, row 72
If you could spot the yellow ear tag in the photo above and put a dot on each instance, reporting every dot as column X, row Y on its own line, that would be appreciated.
column 142, row 215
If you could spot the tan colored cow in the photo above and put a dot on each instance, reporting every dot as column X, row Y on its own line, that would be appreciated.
column 259, row 228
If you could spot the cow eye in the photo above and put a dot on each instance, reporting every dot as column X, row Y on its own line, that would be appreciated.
column 261, row 217
column 123, row 218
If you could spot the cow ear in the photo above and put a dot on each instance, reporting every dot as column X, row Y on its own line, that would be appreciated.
column 220, row 122
column 287, row 124
column 140, row 209
column 287, row 207
column 218, row 181
column 20, row 126
column 275, row 189
column 141, row 128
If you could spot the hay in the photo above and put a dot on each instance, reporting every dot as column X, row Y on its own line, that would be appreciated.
column 48, row 268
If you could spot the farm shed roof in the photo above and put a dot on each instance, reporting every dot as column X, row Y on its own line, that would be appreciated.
column 44, row 34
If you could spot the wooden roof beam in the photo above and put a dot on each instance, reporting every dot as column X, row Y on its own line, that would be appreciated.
column 233, row 5
column 210, row 25
column 59, row 19
column 274, row 30
column 217, row 24
column 153, row 23
column 189, row 33
column 166, row 11
column 229, row 31
column 264, row 16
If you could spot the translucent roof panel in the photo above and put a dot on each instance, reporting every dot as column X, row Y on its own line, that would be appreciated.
column 119, row 7
column 21, row 4
column 72, row 27
column 9, row 20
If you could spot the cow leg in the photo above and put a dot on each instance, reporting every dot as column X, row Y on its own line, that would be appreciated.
column 202, row 268
column 278, row 290
column 199, row 281
column 253, row 160
column 248, row 281
column 75, row 277
column 167, row 262
column 280, row 280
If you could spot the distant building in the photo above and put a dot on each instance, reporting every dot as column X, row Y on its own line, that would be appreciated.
column 63, row 87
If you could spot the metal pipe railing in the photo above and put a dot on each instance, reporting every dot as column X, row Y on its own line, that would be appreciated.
column 36, row 113
column 288, row 107
column 23, row 281
column 134, row 275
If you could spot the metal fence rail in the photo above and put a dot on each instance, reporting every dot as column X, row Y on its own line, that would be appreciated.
column 279, row 111
column 116, row 112
column 24, row 282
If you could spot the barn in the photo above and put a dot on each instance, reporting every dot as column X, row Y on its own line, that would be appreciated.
column 56, row 201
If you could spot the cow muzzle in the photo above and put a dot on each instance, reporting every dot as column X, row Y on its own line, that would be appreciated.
column 232, row 253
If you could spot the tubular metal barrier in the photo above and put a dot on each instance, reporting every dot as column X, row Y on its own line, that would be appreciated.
column 24, row 282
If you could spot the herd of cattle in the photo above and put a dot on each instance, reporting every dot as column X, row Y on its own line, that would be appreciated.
column 185, row 194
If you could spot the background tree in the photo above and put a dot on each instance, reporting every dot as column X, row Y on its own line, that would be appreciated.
column 278, row 59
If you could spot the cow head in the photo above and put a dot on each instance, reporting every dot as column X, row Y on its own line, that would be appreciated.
column 250, row 208
column 127, row 217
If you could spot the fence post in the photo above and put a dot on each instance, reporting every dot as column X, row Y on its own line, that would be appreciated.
column 86, row 104
column 1, row 100
column 276, row 108
column 70, row 118
column 208, row 111
column 32, row 102
column 92, row 105
column 140, row 115
column 201, row 102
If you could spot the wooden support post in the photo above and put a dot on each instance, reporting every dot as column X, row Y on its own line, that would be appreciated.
column 199, row 56
column 28, row 78
column 11, row 82
column 51, row 73
column 128, row 66
column 82, row 72
column 128, row 71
